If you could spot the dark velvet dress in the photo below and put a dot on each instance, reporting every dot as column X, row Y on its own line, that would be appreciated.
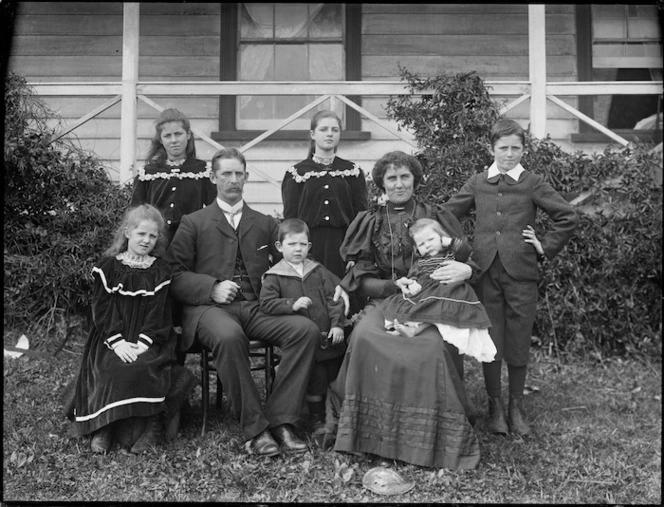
column 397, row 397
column 327, row 198
column 129, row 303
column 174, row 190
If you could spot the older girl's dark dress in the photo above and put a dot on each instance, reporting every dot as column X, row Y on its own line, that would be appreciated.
column 175, row 190
column 129, row 303
column 398, row 397
column 327, row 198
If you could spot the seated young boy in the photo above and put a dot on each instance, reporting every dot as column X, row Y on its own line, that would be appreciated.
column 300, row 285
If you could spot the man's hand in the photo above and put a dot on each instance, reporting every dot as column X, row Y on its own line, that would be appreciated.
column 336, row 334
column 126, row 351
column 224, row 292
column 301, row 304
column 452, row 271
column 340, row 293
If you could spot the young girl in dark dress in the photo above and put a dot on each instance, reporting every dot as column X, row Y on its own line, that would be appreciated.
column 453, row 308
column 173, row 179
column 127, row 361
column 325, row 191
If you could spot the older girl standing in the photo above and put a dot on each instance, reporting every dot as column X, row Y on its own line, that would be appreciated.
column 325, row 191
column 173, row 179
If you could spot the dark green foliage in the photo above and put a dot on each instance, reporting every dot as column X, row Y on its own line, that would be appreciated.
column 603, row 292
column 60, row 210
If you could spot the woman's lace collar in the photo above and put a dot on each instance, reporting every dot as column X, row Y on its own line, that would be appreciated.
column 135, row 261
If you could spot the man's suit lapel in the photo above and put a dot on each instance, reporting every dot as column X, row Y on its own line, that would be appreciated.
column 247, row 221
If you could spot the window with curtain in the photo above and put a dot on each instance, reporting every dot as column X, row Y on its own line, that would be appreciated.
column 287, row 42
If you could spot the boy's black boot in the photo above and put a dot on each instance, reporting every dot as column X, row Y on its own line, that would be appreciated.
column 515, row 416
column 497, row 423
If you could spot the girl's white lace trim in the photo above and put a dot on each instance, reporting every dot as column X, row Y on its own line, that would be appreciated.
column 134, row 261
column 355, row 171
column 168, row 175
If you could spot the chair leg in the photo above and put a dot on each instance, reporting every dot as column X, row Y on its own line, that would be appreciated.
column 220, row 392
column 269, row 370
column 205, row 386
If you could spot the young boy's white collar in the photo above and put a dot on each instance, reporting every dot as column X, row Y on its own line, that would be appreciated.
column 512, row 173
column 299, row 268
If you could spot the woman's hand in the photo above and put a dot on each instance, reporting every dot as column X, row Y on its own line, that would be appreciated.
column 126, row 351
column 452, row 271
column 340, row 293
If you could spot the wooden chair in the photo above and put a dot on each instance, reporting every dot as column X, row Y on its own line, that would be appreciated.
column 257, row 349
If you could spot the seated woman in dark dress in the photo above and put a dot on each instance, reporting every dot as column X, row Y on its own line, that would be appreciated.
column 396, row 397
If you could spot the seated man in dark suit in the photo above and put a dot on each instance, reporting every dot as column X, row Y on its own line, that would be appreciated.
column 218, row 256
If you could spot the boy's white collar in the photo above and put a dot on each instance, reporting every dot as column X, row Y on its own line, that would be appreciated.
column 514, row 173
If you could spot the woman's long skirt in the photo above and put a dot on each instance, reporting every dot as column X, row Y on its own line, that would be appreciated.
column 401, row 398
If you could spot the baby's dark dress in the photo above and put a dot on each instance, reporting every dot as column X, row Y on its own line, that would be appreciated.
column 129, row 303
column 454, row 308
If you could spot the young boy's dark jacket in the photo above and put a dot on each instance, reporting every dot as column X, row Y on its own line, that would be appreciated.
column 282, row 286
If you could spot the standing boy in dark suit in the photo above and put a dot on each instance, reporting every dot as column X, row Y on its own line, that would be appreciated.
column 506, row 198
column 218, row 256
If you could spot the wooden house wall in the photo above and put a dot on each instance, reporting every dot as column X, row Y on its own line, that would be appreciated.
column 76, row 41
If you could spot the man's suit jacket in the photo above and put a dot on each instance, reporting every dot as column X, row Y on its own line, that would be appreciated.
column 203, row 252
column 504, row 208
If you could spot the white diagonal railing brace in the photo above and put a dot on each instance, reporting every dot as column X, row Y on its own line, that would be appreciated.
column 282, row 124
column 88, row 117
column 514, row 103
column 588, row 120
column 376, row 120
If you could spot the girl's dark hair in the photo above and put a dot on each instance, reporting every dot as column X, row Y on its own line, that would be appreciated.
column 292, row 226
column 396, row 159
column 506, row 127
column 132, row 217
column 157, row 152
column 315, row 120
column 425, row 223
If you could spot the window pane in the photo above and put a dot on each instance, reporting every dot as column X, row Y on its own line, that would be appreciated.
column 644, row 28
column 327, row 23
column 256, row 62
column 326, row 62
column 256, row 21
column 609, row 28
column 291, row 20
column 603, row 11
column 260, row 107
column 290, row 63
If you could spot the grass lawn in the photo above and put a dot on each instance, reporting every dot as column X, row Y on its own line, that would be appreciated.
column 597, row 424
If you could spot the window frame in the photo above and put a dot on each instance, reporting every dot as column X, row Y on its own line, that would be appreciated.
column 228, row 71
column 584, row 43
